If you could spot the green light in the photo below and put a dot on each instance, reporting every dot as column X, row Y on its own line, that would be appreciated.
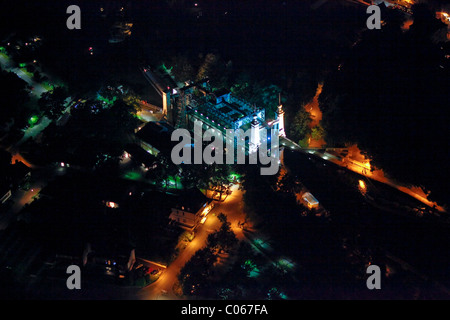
column 132, row 175
column 33, row 120
column 22, row 65
column 234, row 176
column 286, row 264
column 106, row 100
column 165, row 68
column 251, row 268
column 173, row 183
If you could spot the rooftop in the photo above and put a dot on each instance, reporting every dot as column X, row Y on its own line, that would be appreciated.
column 308, row 197
column 228, row 113
column 140, row 155
column 158, row 134
column 191, row 200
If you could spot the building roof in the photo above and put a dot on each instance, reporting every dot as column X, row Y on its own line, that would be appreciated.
column 310, row 198
column 221, row 92
column 158, row 134
column 160, row 78
column 199, row 85
column 231, row 114
column 140, row 155
column 191, row 200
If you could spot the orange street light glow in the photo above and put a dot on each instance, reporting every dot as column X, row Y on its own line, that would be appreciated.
column 362, row 184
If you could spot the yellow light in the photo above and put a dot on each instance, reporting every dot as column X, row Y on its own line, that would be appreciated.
column 362, row 184
column 112, row 205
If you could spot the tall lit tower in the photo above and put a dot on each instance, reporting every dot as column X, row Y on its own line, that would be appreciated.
column 255, row 139
column 167, row 106
column 280, row 118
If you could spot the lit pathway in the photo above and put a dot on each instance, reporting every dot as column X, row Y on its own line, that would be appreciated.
column 363, row 168
column 315, row 113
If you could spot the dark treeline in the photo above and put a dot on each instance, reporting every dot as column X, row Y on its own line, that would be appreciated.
column 390, row 96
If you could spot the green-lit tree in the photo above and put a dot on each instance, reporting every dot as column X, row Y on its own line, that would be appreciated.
column 318, row 132
column 205, row 69
column 300, row 127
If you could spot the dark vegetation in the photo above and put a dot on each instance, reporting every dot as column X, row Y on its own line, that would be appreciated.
column 390, row 97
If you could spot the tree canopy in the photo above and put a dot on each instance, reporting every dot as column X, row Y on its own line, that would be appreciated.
column 390, row 98
column 52, row 102
column 13, row 99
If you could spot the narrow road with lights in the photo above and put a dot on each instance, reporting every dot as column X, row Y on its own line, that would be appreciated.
column 40, row 178
column 232, row 207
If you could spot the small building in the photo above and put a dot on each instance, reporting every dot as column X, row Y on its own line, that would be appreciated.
column 222, row 94
column 111, row 258
column 140, row 156
column 155, row 137
column 310, row 200
column 191, row 209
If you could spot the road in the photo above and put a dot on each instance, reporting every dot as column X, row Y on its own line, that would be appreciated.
column 388, row 224
column 6, row 64
column 232, row 207
column 148, row 116
column 32, row 132
column 40, row 177
column 38, row 89
column 364, row 169
column 162, row 289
